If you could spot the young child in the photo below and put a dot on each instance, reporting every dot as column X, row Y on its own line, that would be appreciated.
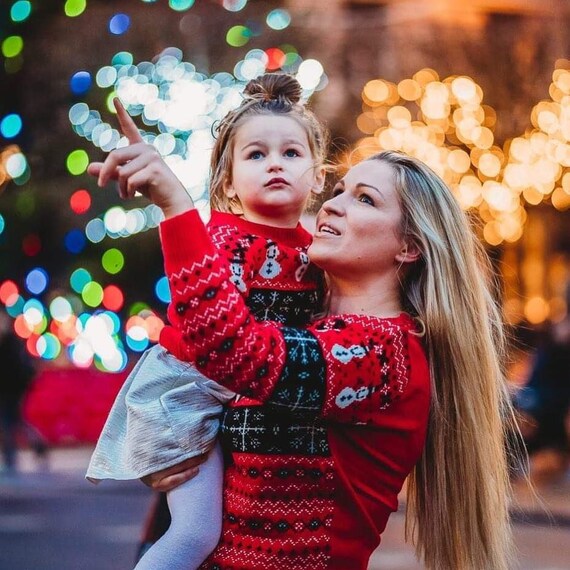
column 267, row 161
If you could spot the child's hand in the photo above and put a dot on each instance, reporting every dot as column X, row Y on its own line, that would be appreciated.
column 172, row 477
column 140, row 168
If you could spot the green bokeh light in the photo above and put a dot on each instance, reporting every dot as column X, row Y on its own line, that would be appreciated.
column 238, row 36
column 92, row 294
column 75, row 8
column 12, row 46
column 113, row 261
column 77, row 162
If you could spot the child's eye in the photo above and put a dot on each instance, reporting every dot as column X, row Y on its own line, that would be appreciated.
column 255, row 155
column 336, row 191
column 291, row 153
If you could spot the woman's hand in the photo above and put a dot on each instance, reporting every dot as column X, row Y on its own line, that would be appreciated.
column 172, row 477
column 140, row 168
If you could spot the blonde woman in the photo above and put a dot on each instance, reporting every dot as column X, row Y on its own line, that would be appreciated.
column 402, row 376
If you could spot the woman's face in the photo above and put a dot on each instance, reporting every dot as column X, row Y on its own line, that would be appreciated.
column 358, row 231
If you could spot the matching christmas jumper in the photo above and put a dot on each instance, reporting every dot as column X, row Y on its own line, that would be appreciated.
column 332, row 417
column 269, row 266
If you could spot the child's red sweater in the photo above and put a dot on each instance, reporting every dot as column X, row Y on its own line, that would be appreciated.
column 333, row 417
column 269, row 267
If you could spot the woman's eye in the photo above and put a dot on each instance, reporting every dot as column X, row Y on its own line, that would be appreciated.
column 291, row 153
column 255, row 155
column 365, row 199
column 336, row 192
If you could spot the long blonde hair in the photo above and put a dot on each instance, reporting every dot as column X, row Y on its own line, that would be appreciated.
column 458, row 494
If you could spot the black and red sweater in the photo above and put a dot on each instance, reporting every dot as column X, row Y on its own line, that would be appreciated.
column 269, row 266
column 332, row 419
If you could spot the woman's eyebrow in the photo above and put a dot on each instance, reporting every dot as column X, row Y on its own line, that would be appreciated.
column 364, row 185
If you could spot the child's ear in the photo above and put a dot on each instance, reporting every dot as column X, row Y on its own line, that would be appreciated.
column 229, row 190
column 319, row 184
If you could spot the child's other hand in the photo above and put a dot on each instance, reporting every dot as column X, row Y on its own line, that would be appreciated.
column 139, row 167
column 172, row 477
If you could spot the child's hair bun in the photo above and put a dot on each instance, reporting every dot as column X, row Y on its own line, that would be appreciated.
column 274, row 86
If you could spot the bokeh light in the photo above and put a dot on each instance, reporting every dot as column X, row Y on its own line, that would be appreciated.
column 119, row 24
column 20, row 10
column 80, row 201
column 234, row 5
column 77, row 162
column 74, row 8
column 238, row 36
column 181, row 5
column 12, row 46
column 75, row 241
column 37, row 281
column 79, row 278
column 278, row 19
column 162, row 290
column 92, row 294
column 113, row 298
column 80, row 82
column 10, row 126
column 113, row 261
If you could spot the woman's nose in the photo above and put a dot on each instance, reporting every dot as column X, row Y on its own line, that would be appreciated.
column 334, row 205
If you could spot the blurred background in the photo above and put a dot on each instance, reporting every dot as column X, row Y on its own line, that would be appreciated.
column 479, row 90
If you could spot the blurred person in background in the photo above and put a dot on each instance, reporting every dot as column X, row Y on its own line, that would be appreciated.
column 16, row 374
column 543, row 403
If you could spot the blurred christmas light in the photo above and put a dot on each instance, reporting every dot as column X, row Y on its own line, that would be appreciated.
column 12, row 46
column 238, row 36
column 119, row 24
column 77, row 162
column 20, row 10
column 92, row 294
column 37, row 280
column 181, row 5
column 113, row 298
column 74, row 241
column 162, row 290
column 113, row 261
column 80, row 201
column 278, row 19
column 11, row 125
column 74, row 8
column 454, row 135
column 234, row 5
column 80, row 82
column 31, row 245
column 79, row 278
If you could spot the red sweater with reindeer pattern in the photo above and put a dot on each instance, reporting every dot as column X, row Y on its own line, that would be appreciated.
column 332, row 417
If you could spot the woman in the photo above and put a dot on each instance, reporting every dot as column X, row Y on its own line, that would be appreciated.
column 401, row 377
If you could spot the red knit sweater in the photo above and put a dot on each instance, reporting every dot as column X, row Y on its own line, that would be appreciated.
column 269, row 267
column 332, row 420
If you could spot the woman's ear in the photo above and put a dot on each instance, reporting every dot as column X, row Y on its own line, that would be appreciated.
column 409, row 253
column 319, row 182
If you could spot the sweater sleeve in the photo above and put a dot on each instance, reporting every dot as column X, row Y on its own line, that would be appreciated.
column 339, row 369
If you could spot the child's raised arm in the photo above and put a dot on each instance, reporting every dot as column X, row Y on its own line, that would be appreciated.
column 139, row 167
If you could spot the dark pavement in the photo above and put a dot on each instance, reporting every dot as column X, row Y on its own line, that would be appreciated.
column 52, row 519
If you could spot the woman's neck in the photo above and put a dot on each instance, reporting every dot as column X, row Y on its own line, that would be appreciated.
column 379, row 298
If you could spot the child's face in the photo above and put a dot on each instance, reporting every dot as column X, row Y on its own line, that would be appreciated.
column 273, row 170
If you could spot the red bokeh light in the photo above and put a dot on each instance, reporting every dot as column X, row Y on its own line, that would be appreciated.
column 31, row 245
column 113, row 298
column 276, row 59
column 80, row 201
